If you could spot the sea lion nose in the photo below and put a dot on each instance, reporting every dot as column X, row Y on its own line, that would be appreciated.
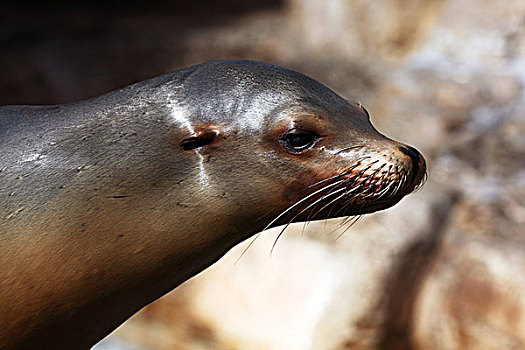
column 415, row 156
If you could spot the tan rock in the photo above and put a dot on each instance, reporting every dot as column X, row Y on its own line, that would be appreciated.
column 473, row 298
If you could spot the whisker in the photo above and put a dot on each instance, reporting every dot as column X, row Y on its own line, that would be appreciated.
column 401, row 183
column 419, row 186
column 348, row 149
column 387, row 189
column 283, row 213
column 304, row 227
column 384, row 191
column 398, row 187
column 344, row 184
column 343, row 223
column 247, row 247
column 346, row 181
column 372, row 176
column 359, row 185
column 300, row 201
column 373, row 182
column 302, row 211
column 326, row 205
column 352, row 223
column 344, row 207
column 347, row 218
column 328, row 179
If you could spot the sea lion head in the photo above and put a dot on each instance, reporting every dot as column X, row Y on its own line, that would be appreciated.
column 271, row 137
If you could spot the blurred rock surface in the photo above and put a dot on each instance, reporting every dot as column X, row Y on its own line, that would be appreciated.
column 473, row 298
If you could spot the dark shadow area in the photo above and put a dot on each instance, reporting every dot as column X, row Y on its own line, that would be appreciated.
column 56, row 53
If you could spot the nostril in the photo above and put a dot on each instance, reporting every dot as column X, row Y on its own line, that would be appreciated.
column 414, row 156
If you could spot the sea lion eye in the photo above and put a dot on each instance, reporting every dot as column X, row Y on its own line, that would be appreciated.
column 298, row 141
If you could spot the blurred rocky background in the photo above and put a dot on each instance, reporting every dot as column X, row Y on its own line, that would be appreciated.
column 444, row 269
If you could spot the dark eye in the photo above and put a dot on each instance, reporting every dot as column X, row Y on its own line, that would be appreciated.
column 298, row 140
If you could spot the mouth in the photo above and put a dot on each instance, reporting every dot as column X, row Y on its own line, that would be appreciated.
column 354, row 193
column 381, row 197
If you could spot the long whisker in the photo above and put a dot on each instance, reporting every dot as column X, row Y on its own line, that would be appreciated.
column 341, row 183
column 283, row 213
column 419, row 186
column 328, row 179
column 345, row 183
column 353, row 189
column 326, row 205
column 304, row 227
column 300, row 201
column 352, row 223
column 350, row 189
column 302, row 211
column 347, row 218
column 343, row 208
column 343, row 223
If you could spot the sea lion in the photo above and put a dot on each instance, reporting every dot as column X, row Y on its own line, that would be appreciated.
column 109, row 203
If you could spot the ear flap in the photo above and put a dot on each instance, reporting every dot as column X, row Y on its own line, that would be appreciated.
column 203, row 138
